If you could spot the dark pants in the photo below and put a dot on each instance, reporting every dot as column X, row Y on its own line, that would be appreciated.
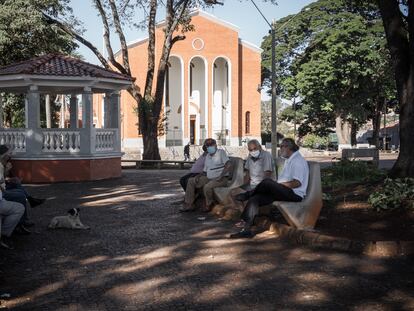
column 185, row 178
column 265, row 193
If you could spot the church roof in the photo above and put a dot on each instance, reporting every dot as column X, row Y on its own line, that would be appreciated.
column 60, row 65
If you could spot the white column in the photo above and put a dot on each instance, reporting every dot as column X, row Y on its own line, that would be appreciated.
column 114, row 111
column 73, row 111
column 88, row 132
column 107, row 111
column 48, row 115
column 1, row 112
column 34, row 137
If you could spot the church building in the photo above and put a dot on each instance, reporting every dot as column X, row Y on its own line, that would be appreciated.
column 212, row 87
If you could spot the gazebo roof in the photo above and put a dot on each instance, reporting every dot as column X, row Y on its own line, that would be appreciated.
column 57, row 73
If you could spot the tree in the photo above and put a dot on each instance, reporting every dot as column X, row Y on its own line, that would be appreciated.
column 23, row 30
column 334, row 57
column 398, row 20
column 116, row 13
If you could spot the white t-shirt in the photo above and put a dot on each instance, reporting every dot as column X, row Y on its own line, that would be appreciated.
column 297, row 168
column 214, row 164
column 258, row 168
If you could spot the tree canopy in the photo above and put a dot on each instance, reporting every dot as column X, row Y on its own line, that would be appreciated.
column 333, row 56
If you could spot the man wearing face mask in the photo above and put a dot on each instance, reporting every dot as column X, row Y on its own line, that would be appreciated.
column 215, row 174
column 258, row 166
column 291, row 186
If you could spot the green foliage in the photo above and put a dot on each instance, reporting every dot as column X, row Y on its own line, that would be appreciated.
column 314, row 141
column 395, row 193
column 345, row 172
column 332, row 55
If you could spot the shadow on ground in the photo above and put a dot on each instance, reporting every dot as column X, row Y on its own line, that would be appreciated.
column 141, row 254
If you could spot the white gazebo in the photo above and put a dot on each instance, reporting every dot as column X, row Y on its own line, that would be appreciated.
column 75, row 153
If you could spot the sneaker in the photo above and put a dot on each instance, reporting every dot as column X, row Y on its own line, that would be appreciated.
column 35, row 201
column 6, row 242
column 244, row 234
column 186, row 208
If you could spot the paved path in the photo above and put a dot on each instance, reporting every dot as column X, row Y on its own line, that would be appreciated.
column 142, row 255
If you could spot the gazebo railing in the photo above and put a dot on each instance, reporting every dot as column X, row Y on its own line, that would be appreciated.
column 61, row 141
column 106, row 140
column 15, row 138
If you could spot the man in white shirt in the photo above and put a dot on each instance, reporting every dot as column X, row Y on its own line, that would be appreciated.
column 291, row 186
column 216, row 169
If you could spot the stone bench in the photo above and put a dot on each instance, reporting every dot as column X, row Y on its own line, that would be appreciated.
column 222, row 194
column 352, row 153
column 158, row 163
column 304, row 214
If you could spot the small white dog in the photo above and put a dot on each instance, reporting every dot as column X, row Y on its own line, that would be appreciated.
column 70, row 221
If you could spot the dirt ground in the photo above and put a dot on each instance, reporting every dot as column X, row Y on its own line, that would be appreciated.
column 141, row 254
column 349, row 215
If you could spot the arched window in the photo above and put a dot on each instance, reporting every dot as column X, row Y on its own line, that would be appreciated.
column 247, row 129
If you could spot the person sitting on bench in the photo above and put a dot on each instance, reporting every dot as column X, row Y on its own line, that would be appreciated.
column 258, row 166
column 215, row 174
column 291, row 186
column 196, row 169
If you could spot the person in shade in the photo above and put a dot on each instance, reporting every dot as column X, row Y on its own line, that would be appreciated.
column 196, row 169
column 215, row 174
column 291, row 186
column 187, row 152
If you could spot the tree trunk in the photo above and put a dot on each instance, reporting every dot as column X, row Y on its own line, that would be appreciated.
column 376, row 121
column 401, row 46
column 342, row 129
column 354, row 130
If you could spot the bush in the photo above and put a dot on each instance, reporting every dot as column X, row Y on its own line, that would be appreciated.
column 315, row 141
column 351, row 171
column 395, row 193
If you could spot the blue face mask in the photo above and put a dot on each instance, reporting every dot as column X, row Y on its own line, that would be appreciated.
column 211, row 149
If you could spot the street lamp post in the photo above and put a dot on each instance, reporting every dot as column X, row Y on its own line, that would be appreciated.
column 273, row 88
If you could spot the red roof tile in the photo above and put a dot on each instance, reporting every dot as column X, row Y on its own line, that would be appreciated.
column 61, row 65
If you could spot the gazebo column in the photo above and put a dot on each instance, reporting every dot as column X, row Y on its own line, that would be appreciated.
column 1, row 112
column 114, row 117
column 107, row 110
column 88, row 132
column 73, row 111
column 34, row 137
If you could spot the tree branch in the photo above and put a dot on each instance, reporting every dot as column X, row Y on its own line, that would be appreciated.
column 106, row 35
column 119, row 31
column 78, row 37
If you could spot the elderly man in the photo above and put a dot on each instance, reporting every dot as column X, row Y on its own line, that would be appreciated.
column 215, row 174
column 196, row 169
column 291, row 186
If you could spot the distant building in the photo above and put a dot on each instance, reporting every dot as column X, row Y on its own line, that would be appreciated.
column 212, row 86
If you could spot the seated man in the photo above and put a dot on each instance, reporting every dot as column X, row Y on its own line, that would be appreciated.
column 215, row 174
column 11, row 214
column 290, row 186
column 196, row 169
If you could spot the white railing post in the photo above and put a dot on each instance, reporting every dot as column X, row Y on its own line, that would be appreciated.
column 1, row 112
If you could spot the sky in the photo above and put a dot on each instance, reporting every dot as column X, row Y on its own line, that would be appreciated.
column 240, row 13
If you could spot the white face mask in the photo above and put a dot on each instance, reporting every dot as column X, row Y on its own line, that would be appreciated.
column 254, row 153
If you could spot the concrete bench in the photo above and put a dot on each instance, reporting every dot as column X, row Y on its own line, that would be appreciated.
column 222, row 194
column 353, row 153
column 304, row 214
column 158, row 163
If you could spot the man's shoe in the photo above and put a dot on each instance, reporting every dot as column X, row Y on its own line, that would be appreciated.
column 21, row 230
column 35, row 201
column 244, row 234
column 243, row 196
column 6, row 242
column 186, row 208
